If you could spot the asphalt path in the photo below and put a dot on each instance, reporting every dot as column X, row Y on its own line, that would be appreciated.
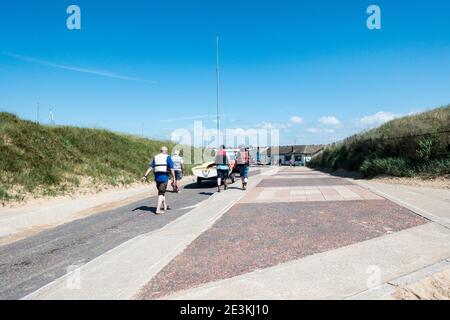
column 29, row 264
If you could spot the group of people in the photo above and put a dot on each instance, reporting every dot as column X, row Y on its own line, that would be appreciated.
column 224, row 167
column 163, row 165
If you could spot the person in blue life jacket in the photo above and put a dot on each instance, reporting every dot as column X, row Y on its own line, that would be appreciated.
column 161, row 165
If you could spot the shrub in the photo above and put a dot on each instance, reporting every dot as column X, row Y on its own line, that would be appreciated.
column 436, row 167
column 4, row 195
column 424, row 149
column 397, row 167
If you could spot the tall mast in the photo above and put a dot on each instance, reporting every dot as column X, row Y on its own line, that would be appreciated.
column 218, row 92
column 37, row 113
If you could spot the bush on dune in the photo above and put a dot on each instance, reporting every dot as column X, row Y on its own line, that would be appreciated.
column 413, row 145
column 396, row 167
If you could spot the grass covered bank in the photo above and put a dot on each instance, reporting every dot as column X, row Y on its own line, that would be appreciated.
column 417, row 145
column 45, row 160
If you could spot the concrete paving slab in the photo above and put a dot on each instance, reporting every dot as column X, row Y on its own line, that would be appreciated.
column 420, row 274
column 299, row 176
column 277, row 182
column 434, row 204
column 377, row 293
column 386, row 290
column 306, row 193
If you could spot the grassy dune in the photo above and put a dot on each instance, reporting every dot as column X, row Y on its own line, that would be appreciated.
column 43, row 160
column 417, row 145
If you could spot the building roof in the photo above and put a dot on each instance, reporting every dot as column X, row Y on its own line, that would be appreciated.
column 298, row 149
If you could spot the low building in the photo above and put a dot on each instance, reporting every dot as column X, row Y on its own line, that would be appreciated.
column 259, row 155
column 299, row 154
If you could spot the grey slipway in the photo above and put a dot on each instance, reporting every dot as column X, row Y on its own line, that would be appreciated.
column 28, row 264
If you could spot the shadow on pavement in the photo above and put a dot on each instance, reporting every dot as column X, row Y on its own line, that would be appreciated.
column 207, row 193
column 341, row 173
column 145, row 208
column 207, row 184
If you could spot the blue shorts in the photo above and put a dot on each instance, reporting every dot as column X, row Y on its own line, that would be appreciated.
column 161, row 177
column 244, row 170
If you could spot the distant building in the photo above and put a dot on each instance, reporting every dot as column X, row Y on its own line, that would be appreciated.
column 300, row 155
column 260, row 155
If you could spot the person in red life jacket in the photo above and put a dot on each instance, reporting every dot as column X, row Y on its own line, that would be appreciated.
column 243, row 162
column 223, row 168
column 162, row 164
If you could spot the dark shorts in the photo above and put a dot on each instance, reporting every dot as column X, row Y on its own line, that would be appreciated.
column 244, row 170
column 179, row 175
column 162, row 187
column 222, row 174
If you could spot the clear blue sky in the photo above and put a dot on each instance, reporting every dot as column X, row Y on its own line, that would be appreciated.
column 152, row 62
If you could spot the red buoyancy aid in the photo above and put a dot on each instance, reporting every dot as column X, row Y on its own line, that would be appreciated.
column 243, row 157
column 221, row 157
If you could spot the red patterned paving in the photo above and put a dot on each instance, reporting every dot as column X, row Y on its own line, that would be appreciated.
column 255, row 236
column 304, row 182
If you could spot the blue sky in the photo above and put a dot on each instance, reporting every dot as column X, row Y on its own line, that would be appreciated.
column 310, row 68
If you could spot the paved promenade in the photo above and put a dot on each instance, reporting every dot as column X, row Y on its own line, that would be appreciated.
column 295, row 234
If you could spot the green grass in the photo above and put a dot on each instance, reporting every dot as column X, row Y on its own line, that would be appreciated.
column 45, row 160
column 417, row 145
column 4, row 195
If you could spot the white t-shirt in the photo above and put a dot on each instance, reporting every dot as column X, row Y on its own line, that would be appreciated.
column 177, row 163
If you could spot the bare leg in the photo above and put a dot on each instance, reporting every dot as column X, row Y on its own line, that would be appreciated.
column 219, row 183
column 165, row 203
column 160, row 203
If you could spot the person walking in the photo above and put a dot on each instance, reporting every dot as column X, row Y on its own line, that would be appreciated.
column 243, row 162
column 222, row 166
column 162, row 164
column 178, row 167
